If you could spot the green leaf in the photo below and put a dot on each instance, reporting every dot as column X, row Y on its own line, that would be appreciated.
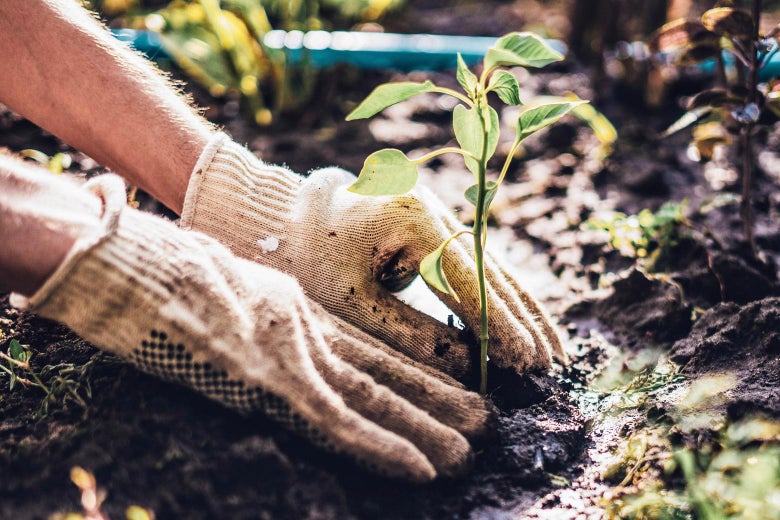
column 472, row 193
column 521, row 49
column 198, row 52
column 537, row 117
column 433, row 273
column 35, row 155
column 598, row 122
column 386, row 95
column 470, row 133
column 386, row 172
column 686, row 120
column 697, row 53
column 679, row 35
column 60, row 162
column 716, row 97
column 16, row 350
column 505, row 86
column 466, row 78
column 728, row 21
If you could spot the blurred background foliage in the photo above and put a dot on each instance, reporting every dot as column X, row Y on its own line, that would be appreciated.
column 220, row 45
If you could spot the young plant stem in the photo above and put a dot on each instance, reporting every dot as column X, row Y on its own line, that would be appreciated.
column 24, row 365
column 480, row 220
column 720, row 71
column 746, row 206
column 479, row 244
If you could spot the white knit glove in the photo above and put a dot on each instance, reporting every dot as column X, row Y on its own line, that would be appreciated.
column 179, row 305
column 339, row 245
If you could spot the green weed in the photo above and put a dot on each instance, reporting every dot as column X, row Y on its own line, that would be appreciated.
column 722, row 480
column 63, row 384
column 630, row 380
column 647, row 235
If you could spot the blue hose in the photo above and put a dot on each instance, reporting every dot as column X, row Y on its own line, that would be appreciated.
column 368, row 50
column 365, row 50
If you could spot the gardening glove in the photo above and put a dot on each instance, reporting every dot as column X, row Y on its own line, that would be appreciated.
column 340, row 246
column 180, row 306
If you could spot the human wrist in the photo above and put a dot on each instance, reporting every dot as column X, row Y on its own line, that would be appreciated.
column 42, row 216
column 113, row 273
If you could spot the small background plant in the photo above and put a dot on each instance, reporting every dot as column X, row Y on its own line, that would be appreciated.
column 648, row 235
column 64, row 383
column 730, row 33
column 476, row 127
column 219, row 44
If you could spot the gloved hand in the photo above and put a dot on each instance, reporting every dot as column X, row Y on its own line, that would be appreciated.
column 339, row 245
column 179, row 305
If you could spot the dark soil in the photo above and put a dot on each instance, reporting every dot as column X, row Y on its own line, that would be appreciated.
column 712, row 306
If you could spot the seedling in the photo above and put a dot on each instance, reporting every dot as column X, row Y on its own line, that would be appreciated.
column 17, row 358
column 734, row 105
column 57, row 163
column 476, row 126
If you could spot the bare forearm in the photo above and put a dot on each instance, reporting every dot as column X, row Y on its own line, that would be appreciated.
column 67, row 74
column 41, row 216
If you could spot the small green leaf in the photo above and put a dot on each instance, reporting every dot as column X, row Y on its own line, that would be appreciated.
column 535, row 118
column 386, row 172
column 197, row 51
column 466, row 78
column 137, row 513
column 16, row 350
column 433, row 273
column 686, row 120
column 521, row 49
column 505, row 86
column 598, row 122
column 697, row 54
column 716, row 97
column 60, row 162
column 386, row 95
column 35, row 155
column 728, row 21
column 470, row 133
column 679, row 35
column 472, row 193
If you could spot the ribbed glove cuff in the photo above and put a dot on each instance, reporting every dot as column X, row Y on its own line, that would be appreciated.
column 233, row 194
